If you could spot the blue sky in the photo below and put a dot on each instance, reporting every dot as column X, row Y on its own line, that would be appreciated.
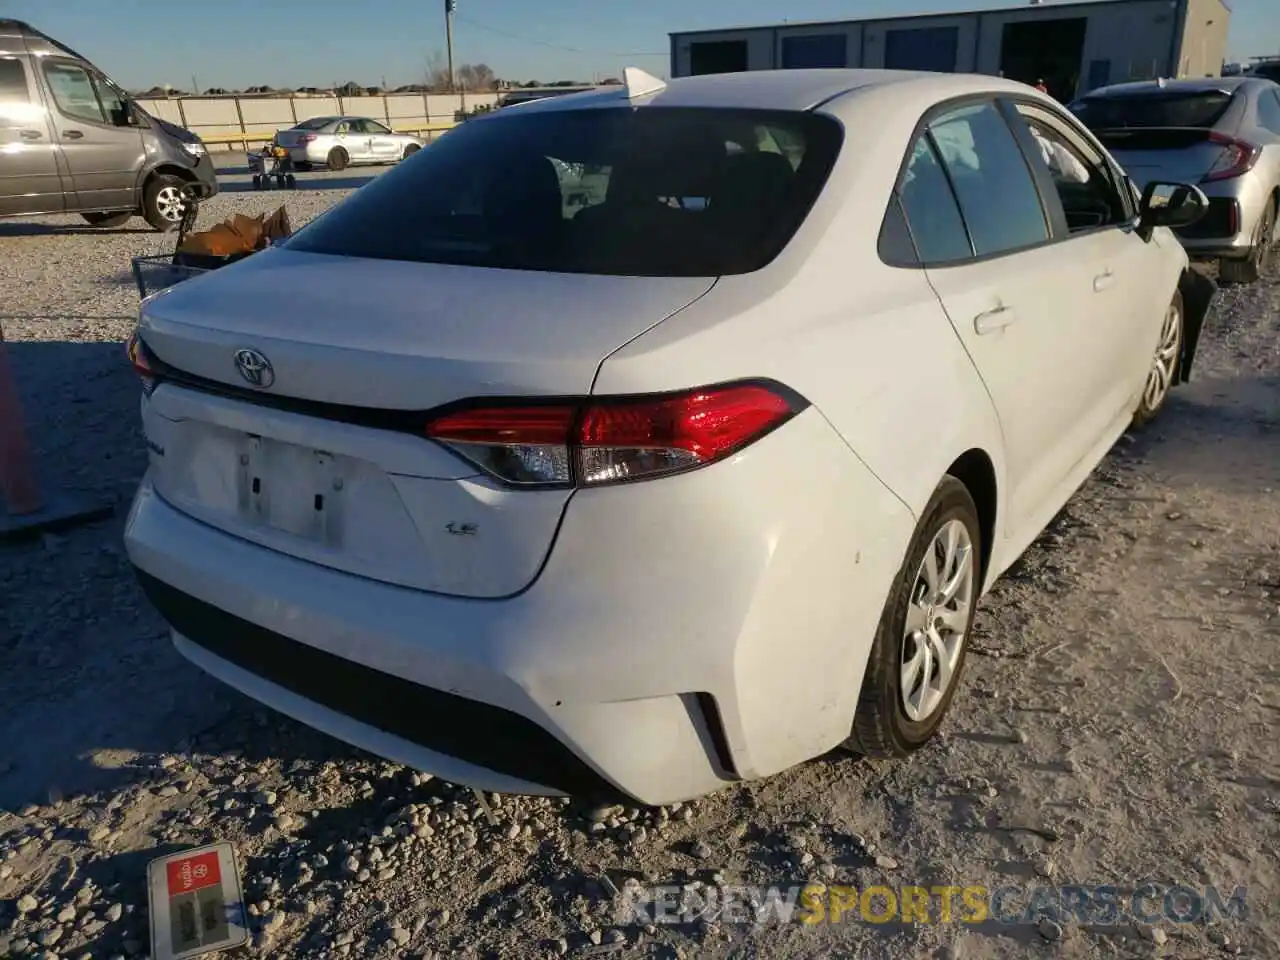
column 239, row 43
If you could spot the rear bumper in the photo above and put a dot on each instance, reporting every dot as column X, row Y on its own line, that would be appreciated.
column 1230, row 226
column 684, row 633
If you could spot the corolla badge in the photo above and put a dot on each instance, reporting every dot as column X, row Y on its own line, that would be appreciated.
column 255, row 368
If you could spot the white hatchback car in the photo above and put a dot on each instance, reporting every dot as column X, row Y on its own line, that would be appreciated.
column 683, row 482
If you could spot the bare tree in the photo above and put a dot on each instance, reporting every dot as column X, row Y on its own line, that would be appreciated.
column 436, row 73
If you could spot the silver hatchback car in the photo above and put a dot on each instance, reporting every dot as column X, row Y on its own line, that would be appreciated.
column 338, row 142
column 1220, row 132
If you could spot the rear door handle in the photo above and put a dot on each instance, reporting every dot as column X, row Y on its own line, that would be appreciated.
column 993, row 321
column 1102, row 281
column 30, row 134
column 72, row 134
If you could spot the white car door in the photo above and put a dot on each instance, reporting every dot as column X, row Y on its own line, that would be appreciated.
column 1129, row 277
column 353, row 141
column 384, row 145
column 986, row 242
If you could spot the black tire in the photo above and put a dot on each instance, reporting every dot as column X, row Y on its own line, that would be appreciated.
column 280, row 181
column 302, row 166
column 1168, row 357
column 257, row 182
column 337, row 159
column 291, row 182
column 881, row 726
column 409, row 151
column 1260, row 257
column 162, row 202
column 108, row 218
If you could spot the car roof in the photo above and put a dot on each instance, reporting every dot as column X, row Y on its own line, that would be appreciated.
column 1141, row 88
column 770, row 89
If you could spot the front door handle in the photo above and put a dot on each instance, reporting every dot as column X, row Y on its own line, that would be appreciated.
column 1102, row 281
column 72, row 134
column 993, row 321
column 30, row 134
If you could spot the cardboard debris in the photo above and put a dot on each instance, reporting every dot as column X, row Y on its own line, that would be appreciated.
column 239, row 235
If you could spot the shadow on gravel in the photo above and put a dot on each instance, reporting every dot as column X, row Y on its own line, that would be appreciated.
column 1215, row 432
column 20, row 228
column 305, row 183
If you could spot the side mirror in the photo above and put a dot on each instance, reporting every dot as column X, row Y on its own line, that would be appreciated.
column 1167, row 204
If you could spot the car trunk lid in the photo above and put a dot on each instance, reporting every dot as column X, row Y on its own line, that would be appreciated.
column 326, row 460
column 1177, row 154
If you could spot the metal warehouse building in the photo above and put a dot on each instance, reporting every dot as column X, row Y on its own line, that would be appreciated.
column 1073, row 47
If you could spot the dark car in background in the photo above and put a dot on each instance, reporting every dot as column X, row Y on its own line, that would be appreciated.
column 72, row 141
column 1222, row 133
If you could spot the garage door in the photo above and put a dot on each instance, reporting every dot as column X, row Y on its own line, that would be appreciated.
column 814, row 51
column 926, row 48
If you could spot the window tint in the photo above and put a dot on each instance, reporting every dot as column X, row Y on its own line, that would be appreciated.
column 373, row 126
column 930, row 208
column 1269, row 110
column 1080, row 175
column 360, row 126
column 15, row 102
column 315, row 123
column 992, row 181
column 609, row 191
column 73, row 92
column 1199, row 110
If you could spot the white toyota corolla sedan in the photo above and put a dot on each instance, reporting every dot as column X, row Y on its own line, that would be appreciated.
column 631, row 444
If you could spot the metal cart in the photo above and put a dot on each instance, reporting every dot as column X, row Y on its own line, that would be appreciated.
column 154, row 273
column 272, row 163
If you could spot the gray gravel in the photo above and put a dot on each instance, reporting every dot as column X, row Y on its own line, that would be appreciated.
column 1117, row 722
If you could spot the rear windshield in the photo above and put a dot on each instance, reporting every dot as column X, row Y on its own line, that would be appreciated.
column 637, row 192
column 314, row 124
column 1268, row 71
column 1200, row 109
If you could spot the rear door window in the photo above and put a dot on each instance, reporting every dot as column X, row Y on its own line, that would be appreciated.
column 991, row 179
column 649, row 192
column 15, row 100
column 1200, row 109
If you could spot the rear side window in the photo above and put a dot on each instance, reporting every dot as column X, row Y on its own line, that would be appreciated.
column 1269, row 110
column 73, row 92
column 647, row 192
column 1200, row 109
column 15, row 102
column 930, row 208
column 316, row 123
column 991, row 179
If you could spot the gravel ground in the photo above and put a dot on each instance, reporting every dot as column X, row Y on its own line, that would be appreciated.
column 1117, row 723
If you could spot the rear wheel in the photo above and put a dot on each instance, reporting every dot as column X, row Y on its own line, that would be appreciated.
column 337, row 159
column 108, row 218
column 1261, row 254
column 920, row 645
column 163, row 203
column 1164, row 365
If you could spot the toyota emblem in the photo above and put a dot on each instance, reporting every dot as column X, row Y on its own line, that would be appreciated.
column 255, row 368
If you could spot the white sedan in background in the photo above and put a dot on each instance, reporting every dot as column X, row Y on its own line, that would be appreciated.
column 339, row 142
column 644, row 495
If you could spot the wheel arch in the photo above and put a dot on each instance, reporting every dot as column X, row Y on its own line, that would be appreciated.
column 162, row 169
column 975, row 469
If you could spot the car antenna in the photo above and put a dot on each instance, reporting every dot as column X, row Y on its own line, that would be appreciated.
column 638, row 83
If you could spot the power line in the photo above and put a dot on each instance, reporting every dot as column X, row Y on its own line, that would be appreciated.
column 553, row 46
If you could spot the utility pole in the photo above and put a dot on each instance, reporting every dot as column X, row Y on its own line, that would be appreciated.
column 450, row 7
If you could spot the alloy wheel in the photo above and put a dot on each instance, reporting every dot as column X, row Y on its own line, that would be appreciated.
column 169, row 203
column 937, row 621
column 1164, row 366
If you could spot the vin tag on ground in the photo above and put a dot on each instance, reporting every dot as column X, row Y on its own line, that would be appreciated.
column 196, row 904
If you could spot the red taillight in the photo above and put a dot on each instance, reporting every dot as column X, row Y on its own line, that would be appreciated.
column 600, row 440
column 1237, row 157
column 141, row 365
column 306, row 138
